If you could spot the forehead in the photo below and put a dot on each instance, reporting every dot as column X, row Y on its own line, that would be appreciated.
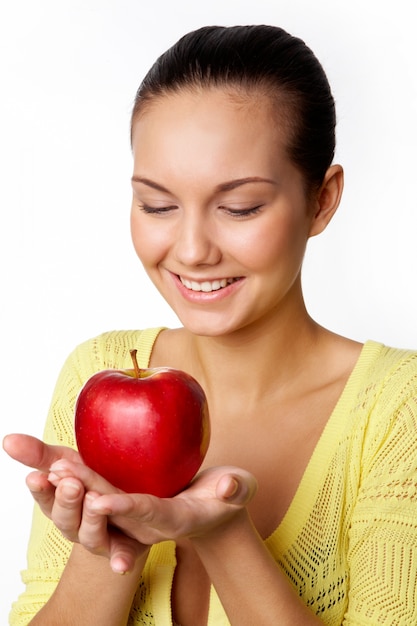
column 196, row 140
column 210, row 116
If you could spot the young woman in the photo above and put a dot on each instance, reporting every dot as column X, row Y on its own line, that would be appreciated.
column 305, row 510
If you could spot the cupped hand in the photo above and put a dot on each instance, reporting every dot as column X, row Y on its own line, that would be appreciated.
column 65, row 497
column 213, row 499
column 89, row 510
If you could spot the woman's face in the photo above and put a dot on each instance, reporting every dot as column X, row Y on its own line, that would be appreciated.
column 219, row 215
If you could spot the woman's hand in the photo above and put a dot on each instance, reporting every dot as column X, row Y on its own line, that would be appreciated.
column 66, row 500
column 34, row 453
column 213, row 498
column 90, row 511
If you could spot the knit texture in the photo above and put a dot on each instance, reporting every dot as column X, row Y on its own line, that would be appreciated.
column 348, row 542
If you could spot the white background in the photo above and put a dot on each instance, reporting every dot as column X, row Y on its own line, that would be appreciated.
column 69, row 70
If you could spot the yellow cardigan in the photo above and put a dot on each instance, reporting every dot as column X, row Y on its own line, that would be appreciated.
column 348, row 542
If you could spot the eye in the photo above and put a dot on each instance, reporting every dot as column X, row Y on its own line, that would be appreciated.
column 242, row 212
column 150, row 210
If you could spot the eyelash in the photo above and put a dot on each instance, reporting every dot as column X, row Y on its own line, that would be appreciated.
column 242, row 212
column 155, row 210
column 238, row 213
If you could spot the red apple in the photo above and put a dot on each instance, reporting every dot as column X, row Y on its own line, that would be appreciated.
column 144, row 430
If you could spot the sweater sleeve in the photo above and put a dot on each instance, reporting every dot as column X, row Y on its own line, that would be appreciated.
column 48, row 551
column 383, row 534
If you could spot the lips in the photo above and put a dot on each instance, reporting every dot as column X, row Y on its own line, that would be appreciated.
column 207, row 285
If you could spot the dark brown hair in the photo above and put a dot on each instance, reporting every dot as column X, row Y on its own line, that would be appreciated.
column 255, row 58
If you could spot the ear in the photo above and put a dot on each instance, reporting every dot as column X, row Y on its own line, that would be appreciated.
column 327, row 199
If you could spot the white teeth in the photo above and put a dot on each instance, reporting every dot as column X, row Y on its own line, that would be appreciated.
column 207, row 285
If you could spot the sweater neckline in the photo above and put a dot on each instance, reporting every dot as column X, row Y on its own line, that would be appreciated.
column 317, row 467
column 292, row 522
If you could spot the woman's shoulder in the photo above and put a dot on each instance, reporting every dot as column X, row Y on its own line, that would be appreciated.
column 383, row 379
column 386, row 365
column 387, row 397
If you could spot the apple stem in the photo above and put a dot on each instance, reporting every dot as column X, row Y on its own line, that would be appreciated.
column 135, row 363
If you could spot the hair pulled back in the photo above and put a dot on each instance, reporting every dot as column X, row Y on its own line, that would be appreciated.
column 249, row 59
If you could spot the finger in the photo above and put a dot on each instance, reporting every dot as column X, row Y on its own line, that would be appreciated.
column 67, row 507
column 146, row 518
column 42, row 491
column 140, row 506
column 38, row 482
column 98, row 537
column 93, row 532
column 35, row 453
column 90, row 479
column 123, row 552
column 237, row 489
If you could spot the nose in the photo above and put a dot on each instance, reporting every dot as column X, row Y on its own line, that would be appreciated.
column 196, row 243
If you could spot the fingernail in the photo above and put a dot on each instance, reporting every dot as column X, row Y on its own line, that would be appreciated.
column 97, row 507
column 90, row 497
column 71, row 489
column 234, row 486
column 35, row 488
column 118, row 567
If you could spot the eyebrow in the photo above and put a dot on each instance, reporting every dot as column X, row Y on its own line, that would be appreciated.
column 227, row 186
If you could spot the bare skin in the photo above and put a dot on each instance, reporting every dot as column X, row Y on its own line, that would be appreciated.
column 271, row 374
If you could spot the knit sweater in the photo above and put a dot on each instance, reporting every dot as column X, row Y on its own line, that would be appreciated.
column 348, row 542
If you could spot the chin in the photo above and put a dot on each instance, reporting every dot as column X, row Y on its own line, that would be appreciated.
column 204, row 330
column 206, row 326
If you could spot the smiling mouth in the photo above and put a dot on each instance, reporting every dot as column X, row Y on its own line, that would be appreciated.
column 207, row 285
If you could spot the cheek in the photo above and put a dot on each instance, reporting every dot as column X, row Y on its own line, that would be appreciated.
column 135, row 233
column 276, row 243
column 148, row 240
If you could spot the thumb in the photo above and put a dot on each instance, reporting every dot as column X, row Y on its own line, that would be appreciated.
column 237, row 488
column 35, row 453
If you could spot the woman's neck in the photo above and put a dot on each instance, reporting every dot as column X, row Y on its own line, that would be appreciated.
column 253, row 361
